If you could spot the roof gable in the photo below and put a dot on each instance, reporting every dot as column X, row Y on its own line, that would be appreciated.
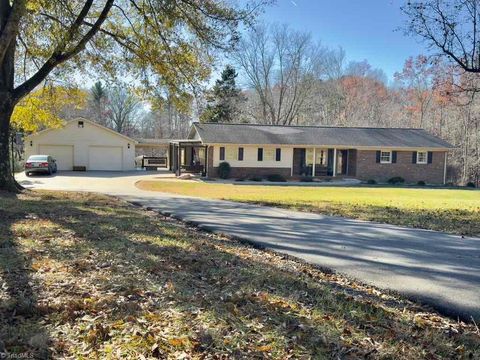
column 318, row 136
column 72, row 122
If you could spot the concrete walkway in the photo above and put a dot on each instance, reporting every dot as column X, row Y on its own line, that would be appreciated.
column 435, row 268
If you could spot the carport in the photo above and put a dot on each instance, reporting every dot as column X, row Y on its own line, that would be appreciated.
column 152, row 154
column 188, row 156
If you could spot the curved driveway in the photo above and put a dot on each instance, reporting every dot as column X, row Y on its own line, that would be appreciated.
column 435, row 268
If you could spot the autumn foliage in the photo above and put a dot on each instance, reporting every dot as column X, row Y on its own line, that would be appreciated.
column 42, row 108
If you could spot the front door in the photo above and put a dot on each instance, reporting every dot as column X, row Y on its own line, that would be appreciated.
column 330, row 162
column 299, row 161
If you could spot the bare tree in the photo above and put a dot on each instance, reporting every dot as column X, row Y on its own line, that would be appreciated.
column 122, row 107
column 166, row 117
column 365, row 70
column 281, row 66
column 450, row 27
column 416, row 83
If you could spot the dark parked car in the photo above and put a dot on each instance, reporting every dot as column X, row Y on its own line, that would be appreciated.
column 40, row 164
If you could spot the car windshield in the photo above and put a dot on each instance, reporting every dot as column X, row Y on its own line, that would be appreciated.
column 38, row 158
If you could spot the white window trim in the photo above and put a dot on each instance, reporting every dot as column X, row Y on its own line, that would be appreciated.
column 383, row 161
column 426, row 157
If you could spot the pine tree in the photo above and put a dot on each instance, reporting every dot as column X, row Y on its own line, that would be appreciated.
column 224, row 99
column 99, row 99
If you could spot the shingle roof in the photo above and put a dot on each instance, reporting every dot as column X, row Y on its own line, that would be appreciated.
column 317, row 135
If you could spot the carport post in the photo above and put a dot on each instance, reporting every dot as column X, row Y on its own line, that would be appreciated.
column 205, row 166
column 169, row 158
column 314, row 161
column 174, row 158
column 334, row 162
column 179, row 154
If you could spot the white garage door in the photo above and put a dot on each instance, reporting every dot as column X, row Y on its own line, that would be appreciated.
column 105, row 158
column 63, row 154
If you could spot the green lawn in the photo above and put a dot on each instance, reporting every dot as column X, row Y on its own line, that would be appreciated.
column 455, row 211
column 89, row 277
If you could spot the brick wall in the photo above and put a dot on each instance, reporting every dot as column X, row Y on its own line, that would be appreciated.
column 367, row 167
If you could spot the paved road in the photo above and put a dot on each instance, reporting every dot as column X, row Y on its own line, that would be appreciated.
column 435, row 268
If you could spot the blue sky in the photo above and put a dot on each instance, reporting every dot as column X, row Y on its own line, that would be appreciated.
column 364, row 28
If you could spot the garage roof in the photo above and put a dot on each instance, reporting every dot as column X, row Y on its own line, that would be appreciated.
column 87, row 121
column 218, row 133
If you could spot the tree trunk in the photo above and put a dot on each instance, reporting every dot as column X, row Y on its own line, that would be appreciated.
column 7, row 182
column 7, row 104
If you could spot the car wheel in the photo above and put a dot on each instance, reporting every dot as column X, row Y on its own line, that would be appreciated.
column 28, row 174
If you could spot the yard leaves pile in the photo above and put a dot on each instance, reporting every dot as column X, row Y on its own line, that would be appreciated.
column 87, row 276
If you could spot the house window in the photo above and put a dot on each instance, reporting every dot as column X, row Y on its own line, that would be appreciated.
column 422, row 157
column 278, row 154
column 260, row 154
column 222, row 153
column 80, row 124
column 385, row 157
column 240, row 154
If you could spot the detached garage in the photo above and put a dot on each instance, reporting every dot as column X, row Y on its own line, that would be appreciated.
column 84, row 144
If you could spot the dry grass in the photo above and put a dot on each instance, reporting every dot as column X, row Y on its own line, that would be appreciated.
column 453, row 211
column 87, row 276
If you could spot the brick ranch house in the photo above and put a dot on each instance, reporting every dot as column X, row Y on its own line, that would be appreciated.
column 292, row 151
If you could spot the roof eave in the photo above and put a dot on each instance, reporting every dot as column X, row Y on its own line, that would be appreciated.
column 359, row 147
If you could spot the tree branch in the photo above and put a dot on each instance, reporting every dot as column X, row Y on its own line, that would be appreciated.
column 58, row 58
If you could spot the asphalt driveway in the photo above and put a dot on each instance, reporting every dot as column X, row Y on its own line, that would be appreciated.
column 435, row 268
